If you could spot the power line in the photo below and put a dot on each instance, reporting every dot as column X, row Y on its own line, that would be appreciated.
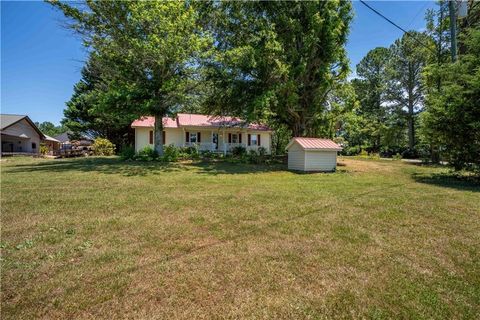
column 394, row 24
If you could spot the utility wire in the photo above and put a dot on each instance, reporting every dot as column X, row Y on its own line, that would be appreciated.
column 394, row 24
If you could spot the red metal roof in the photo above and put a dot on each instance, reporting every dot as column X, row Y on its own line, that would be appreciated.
column 315, row 144
column 150, row 122
column 200, row 120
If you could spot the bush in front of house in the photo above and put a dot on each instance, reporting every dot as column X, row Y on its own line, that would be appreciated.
column 103, row 147
column 239, row 151
column 189, row 153
column 127, row 153
column 170, row 153
column 43, row 149
column 146, row 154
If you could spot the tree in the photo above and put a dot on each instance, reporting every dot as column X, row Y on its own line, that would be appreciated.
column 405, row 86
column 371, row 89
column 147, row 51
column 277, row 60
column 89, row 112
column 49, row 128
column 452, row 116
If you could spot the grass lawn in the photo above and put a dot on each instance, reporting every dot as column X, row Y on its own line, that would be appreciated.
column 101, row 238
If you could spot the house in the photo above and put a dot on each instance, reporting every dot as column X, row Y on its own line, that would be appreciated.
column 212, row 133
column 66, row 143
column 52, row 144
column 312, row 154
column 19, row 135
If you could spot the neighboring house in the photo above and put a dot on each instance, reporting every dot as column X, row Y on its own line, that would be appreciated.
column 66, row 143
column 312, row 154
column 52, row 144
column 212, row 133
column 19, row 134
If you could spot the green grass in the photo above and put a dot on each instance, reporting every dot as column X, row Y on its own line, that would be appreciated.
column 101, row 238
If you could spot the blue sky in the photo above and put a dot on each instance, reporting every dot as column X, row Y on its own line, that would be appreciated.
column 41, row 60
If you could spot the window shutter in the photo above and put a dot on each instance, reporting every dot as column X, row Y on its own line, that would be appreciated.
column 187, row 136
column 150, row 139
column 198, row 137
column 249, row 140
column 163, row 137
column 229, row 138
column 239, row 138
column 258, row 139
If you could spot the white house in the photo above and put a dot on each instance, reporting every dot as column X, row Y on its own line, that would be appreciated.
column 312, row 154
column 19, row 134
column 212, row 133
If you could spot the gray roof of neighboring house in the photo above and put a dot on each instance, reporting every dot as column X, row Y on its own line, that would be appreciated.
column 8, row 119
column 63, row 137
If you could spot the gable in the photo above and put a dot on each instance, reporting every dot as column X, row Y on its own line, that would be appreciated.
column 22, row 128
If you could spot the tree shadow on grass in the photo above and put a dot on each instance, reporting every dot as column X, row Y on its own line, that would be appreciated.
column 138, row 168
column 448, row 180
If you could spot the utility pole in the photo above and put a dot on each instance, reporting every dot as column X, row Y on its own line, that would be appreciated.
column 453, row 29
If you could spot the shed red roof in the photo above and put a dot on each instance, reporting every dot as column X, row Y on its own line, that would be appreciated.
column 315, row 144
column 200, row 120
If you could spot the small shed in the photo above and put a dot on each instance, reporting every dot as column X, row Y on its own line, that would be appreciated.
column 312, row 154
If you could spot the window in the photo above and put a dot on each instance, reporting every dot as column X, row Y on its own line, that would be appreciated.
column 234, row 138
column 151, row 137
column 193, row 137
column 34, row 145
column 253, row 140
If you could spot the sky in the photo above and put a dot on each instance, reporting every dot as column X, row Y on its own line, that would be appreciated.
column 41, row 60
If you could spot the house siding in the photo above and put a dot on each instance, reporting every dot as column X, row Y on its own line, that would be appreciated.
column 320, row 160
column 23, row 127
column 296, row 158
column 176, row 136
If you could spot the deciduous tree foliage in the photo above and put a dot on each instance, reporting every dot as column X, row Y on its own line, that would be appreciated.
column 147, row 50
column 277, row 60
column 452, row 117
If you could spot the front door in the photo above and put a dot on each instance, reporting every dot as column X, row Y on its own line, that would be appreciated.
column 215, row 140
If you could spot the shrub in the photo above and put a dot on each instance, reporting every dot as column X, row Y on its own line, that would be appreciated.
column 208, row 154
column 170, row 153
column 103, row 147
column 364, row 153
column 191, row 152
column 239, row 151
column 127, row 153
column 262, row 152
column 43, row 149
column 351, row 151
column 397, row 156
column 146, row 154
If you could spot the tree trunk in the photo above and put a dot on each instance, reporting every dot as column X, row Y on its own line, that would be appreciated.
column 158, row 132
column 411, row 129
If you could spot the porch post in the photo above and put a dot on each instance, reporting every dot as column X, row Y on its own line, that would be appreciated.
column 224, row 145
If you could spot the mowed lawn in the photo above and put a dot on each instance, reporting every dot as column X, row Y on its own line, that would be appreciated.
column 101, row 238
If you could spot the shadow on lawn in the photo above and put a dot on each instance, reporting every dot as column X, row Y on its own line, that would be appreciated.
column 448, row 180
column 136, row 168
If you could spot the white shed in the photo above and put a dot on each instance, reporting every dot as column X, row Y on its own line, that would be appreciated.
column 312, row 154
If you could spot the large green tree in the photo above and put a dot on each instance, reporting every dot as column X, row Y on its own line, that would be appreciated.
column 452, row 117
column 147, row 50
column 405, row 87
column 371, row 89
column 277, row 60
column 89, row 111
column 50, row 129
